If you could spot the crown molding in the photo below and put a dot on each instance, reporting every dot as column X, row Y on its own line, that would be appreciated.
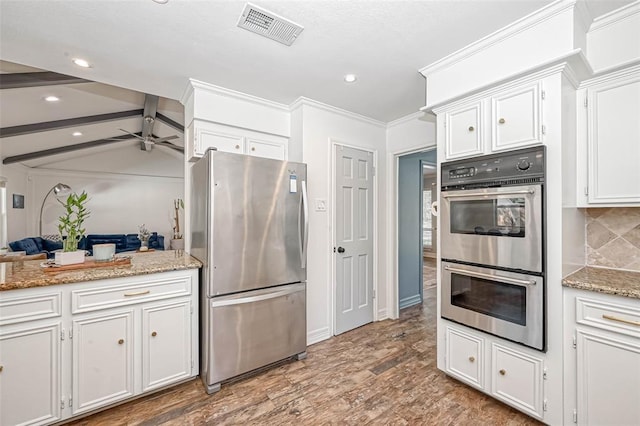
column 229, row 93
column 302, row 101
column 574, row 66
column 629, row 69
column 615, row 16
column 502, row 34
column 411, row 117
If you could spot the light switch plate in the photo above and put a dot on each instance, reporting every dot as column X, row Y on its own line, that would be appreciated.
column 321, row 205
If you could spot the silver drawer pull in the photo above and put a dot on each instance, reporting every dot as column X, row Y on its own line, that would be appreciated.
column 490, row 277
column 138, row 293
column 488, row 194
column 622, row 320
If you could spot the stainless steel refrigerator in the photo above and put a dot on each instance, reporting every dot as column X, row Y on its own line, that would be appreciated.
column 249, row 228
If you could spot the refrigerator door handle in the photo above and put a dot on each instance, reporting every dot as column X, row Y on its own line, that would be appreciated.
column 305, row 237
column 252, row 299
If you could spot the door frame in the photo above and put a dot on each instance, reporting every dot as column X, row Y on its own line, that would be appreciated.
column 393, row 158
column 333, row 148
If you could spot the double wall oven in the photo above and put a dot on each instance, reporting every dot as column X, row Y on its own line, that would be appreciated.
column 492, row 247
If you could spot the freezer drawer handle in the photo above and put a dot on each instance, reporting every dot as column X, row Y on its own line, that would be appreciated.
column 252, row 299
column 490, row 277
column 488, row 194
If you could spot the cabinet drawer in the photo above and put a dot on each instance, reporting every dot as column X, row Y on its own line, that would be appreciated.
column 131, row 293
column 517, row 379
column 608, row 316
column 28, row 308
column 464, row 359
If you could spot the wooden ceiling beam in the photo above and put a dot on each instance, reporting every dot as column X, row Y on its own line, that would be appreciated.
column 64, row 149
column 34, row 79
column 26, row 129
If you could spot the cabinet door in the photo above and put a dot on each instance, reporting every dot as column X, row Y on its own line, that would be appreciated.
column 267, row 149
column 608, row 374
column 463, row 132
column 30, row 375
column 208, row 138
column 613, row 141
column 102, row 360
column 166, row 350
column 464, row 357
column 516, row 378
column 515, row 118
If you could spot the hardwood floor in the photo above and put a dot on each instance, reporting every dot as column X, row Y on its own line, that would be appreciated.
column 381, row 373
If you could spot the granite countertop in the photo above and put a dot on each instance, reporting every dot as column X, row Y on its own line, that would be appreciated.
column 605, row 280
column 29, row 273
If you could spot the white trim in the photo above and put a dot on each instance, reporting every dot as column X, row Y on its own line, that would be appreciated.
column 574, row 66
column 310, row 102
column 500, row 35
column 392, row 310
column 615, row 16
column 229, row 93
column 333, row 144
column 410, row 301
column 318, row 335
column 411, row 117
column 40, row 171
column 382, row 314
column 602, row 77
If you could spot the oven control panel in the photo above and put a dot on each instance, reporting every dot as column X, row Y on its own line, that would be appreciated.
column 501, row 169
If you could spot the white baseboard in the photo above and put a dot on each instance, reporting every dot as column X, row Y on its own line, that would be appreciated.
column 382, row 314
column 318, row 335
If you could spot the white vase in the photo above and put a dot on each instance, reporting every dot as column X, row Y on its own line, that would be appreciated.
column 177, row 244
column 69, row 257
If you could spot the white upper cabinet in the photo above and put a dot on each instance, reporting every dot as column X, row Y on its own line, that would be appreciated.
column 515, row 118
column 463, row 131
column 613, row 139
column 502, row 118
column 202, row 135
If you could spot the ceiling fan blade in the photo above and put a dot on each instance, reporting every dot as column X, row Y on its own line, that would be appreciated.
column 132, row 134
column 170, row 145
column 166, row 138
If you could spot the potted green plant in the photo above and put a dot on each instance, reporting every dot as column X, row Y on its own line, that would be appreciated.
column 71, row 229
column 177, row 243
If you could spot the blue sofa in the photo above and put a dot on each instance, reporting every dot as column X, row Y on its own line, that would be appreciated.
column 123, row 242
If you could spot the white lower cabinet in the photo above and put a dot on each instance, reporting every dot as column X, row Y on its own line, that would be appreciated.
column 465, row 357
column 606, row 358
column 72, row 349
column 516, row 378
column 166, row 344
column 515, row 374
column 30, row 373
column 102, row 360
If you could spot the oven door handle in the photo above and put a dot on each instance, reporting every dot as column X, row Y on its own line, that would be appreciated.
column 491, row 277
column 481, row 194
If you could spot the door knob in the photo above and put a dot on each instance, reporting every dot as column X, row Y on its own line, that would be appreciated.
column 340, row 249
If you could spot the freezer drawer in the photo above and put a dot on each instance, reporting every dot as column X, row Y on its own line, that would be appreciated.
column 250, row 330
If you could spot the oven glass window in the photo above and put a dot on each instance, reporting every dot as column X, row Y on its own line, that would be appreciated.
column 503, row 217
column 500, row 300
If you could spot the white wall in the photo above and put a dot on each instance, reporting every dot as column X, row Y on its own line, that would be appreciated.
column 322, row 125
column 16, row 184
column 412, row 133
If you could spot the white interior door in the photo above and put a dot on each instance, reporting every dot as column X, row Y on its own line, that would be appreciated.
column 354, row 238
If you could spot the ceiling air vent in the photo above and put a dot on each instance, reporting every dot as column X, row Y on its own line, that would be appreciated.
column 268, row 24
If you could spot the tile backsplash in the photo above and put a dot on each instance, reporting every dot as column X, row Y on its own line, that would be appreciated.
column 613, row 237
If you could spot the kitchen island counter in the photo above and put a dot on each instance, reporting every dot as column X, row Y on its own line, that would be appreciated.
column 605, row 280
column 30, row 273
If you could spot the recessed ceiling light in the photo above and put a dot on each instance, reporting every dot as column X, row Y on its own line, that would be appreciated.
column 161, row 1
column 350, row 78
column 77, row 133
column 52, row 98
column 81, row 63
